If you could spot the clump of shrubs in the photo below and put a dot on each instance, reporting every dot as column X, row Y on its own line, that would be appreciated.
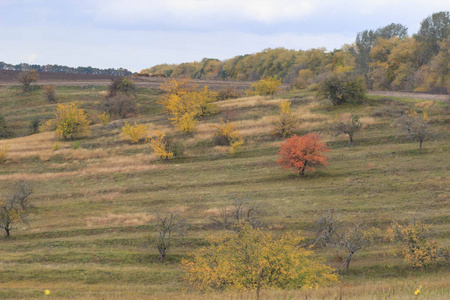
column 265, row 86
column 339, row 89
column 228, row 93
column 27, row 79
column 285, row 123
column 120, row 106
column 165, row 146
column 227, row 135
column 122, row 85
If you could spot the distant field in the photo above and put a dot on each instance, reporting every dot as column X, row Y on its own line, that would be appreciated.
column 89, row 234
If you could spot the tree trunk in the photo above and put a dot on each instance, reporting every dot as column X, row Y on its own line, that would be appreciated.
column 302, row 172
column 420, row 145
column 258, row 285
column 351, row 138
column 7, row 231
column 347, row 264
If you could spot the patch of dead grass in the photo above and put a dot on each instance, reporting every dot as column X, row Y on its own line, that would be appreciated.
column 127, row 219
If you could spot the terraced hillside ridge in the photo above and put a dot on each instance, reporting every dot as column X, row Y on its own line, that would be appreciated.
column 91, row 229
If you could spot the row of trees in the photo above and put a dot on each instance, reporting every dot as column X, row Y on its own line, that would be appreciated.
column 388, row 58
column 64, row 69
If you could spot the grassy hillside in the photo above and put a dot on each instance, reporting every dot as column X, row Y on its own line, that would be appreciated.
column 90, row 231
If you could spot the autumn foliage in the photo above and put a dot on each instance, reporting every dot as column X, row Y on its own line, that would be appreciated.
column 302, row 153
column 135, row 132
column 251, row 258
column 265, row 86
column 160, row 145
column 417, row 248
column 185, row 102
column 70, row 121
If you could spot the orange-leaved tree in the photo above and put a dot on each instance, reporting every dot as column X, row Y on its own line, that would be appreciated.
column 302, row 153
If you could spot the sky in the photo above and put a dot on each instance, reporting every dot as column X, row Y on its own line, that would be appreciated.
column 138, row 34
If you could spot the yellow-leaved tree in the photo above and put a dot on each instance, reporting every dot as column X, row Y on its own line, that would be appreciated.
column 71, row 121
column 251, row 259
column 160, row 145
column 185, row 102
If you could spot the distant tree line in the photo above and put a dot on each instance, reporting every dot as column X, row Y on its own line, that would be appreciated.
column 64, row 69
column 387, row 58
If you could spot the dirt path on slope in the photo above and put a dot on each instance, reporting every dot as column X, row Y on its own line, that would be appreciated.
column 423, row 96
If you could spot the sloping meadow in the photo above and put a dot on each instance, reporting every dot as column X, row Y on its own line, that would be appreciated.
column 91, row 229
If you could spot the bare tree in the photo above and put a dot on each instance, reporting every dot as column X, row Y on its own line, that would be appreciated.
column 327, row 227
column 332, row 233
column 352, row 240
column 350, row 127
column 14, row 207
column 240, row 212
column 416, row 126
column 169, row 225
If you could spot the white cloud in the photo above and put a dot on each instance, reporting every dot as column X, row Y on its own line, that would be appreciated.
column 31, row 58
column 185, row 11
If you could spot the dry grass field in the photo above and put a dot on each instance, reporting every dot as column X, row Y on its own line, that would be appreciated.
column 90, row 233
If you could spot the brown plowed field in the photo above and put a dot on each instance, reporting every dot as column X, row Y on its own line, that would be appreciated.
column 65, row 79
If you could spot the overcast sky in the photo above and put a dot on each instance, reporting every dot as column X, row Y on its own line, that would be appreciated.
column 137, row 34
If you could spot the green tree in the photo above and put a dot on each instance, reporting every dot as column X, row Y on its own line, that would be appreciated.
column 339, row 88
column 433, row 29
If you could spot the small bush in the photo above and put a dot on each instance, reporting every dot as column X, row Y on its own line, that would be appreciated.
column 122, row 85
column 104, row 118
column 34, row 124
column 3, row 153
column 265, row 86
column 161, row 145
column 227, row 135
column 49, row 125
column 76, row 145
column 417, row 248
column 4, row 130
column 27, row 78
column 49, row 93
column 340, row 89
column 120, row 106
column 55, row 146
column 228, row 93
column 285, row 123
column 134, row 133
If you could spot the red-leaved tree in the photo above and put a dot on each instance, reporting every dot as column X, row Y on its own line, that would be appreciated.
column 302, row 153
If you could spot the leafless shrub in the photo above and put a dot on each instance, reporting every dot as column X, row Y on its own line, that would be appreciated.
column 169, row 225
column 241, row 211
column 49, row 93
